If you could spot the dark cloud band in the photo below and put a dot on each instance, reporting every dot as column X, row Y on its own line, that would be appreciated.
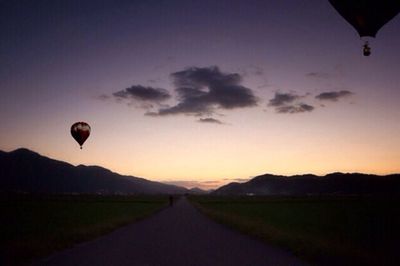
column 210, row 120
column 142, row 93
column 333, row 96
column 281, row 99
column 285, row 103
column 293, row 109
column 201, row 91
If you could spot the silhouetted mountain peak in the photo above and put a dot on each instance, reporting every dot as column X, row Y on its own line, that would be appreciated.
column 24, row 152
column 331, row 184
column 306, row 176
column 197, row 190
column 26, row 171
column 262, row 178
column 93, row 167
column 335, row 174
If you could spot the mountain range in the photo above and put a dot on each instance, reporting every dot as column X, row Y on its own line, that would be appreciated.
column 26, row 171
column 300, row 185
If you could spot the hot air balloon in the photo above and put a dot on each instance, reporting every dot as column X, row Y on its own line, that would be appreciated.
column 80, row 131
column 367, row 16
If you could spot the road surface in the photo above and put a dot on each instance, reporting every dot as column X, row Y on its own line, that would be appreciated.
column 178, row 235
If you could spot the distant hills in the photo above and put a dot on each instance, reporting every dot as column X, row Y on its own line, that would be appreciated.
column 26, row 171
column 23, row 171
column 198, row 191
column 331, row 184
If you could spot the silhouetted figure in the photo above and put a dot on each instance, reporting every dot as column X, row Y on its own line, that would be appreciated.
column 171, row 200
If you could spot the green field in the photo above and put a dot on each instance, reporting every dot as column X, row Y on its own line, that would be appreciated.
column 33, row 227
column 332, row 229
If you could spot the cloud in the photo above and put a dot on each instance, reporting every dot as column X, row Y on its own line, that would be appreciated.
column 103, row 97
column 141, row 93
column 285, row 103
column 241, row 180
column 210, row 120
column 293, row 109
column 320, row 75
column 281, row 99
column 200, row 91
column 258, row 71
column 155, row 80
column 333, row 96
column 211, row 182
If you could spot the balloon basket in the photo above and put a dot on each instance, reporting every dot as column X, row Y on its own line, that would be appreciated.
column 366, row 49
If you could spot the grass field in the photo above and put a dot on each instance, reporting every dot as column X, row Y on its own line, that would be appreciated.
column 330, row 230
column 33, row 227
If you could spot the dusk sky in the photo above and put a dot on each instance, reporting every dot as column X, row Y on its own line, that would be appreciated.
column 200, row 92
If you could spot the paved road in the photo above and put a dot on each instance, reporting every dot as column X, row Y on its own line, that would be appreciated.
column 178, row 235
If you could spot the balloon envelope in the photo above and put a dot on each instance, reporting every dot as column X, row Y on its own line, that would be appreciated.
column 80, row 131
column 367, row 16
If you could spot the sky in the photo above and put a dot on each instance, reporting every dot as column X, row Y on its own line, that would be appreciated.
column 199, row 93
